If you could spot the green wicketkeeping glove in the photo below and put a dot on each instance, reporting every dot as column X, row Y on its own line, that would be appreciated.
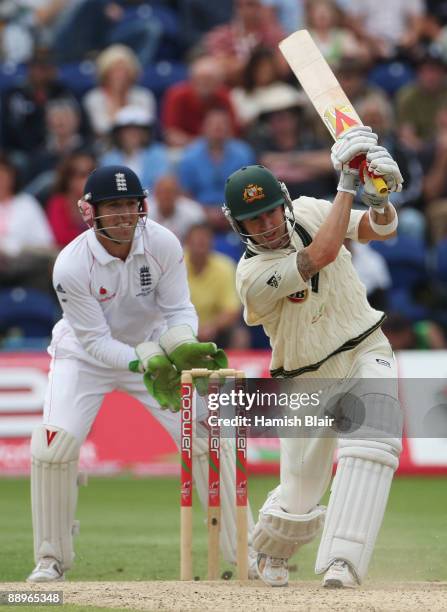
column 160, row 378
column 182, row 348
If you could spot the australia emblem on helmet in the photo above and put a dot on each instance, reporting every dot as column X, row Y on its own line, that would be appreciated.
column 253, row 192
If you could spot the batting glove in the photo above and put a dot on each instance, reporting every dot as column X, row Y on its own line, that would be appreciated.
column 380, row 162
column 346, row 154
column 160, row 378
column 182, row 348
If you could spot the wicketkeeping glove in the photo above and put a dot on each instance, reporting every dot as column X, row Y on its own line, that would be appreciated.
column 379, row 161
column 346, row 154
column 182, row 348
column 160, row 377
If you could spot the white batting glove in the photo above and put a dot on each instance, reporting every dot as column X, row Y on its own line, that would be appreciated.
column 356, row 141
column 380, row 162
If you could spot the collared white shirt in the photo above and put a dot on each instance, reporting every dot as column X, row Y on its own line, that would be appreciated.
column 111, row 305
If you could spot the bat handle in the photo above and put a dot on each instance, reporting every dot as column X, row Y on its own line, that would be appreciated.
column 380, row 186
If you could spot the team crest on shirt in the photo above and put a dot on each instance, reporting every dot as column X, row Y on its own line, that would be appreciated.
column 252, row 193
column 145, row 281
column 104, row 295
column 299, row 296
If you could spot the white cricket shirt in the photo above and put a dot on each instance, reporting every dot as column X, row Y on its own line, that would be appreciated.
column 110, row 306
column 307, row 322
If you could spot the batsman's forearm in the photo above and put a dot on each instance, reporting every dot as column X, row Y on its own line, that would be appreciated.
column 329, row 238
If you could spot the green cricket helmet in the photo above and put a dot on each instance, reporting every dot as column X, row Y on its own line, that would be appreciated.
column 251, row 191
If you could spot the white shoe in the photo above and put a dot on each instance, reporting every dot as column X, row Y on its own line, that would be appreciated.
column 47, row 570
column 272, row 570
column 340, row 576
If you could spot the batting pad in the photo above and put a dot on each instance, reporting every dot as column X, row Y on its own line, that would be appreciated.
column 357, row 503
column 279, row 533
column 54, row 493
column 228, row 542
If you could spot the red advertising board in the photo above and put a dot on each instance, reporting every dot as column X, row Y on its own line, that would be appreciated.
column 126, row 437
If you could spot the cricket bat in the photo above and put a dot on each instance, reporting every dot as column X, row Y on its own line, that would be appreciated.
column 324, row 91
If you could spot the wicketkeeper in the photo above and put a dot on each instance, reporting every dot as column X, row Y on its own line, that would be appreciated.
column 297, row 280
column 127, row 324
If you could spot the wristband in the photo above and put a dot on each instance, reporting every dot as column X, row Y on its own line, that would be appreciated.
column 147, row 350
column 384, row 230
column 175, row 336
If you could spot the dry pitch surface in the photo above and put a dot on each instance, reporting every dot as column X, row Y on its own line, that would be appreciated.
column 225, row 596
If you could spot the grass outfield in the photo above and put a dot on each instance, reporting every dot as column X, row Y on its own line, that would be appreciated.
column 130, row 531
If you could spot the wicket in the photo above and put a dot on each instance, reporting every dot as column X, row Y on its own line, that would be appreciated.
column 213, row 480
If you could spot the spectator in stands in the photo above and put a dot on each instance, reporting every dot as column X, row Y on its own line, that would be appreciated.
column 134, row 147
column 418, row 103
column 333, row 41
column 386, row 27
column 117, row 70
column 26, row 23
column 23, row 106
column 91, row 25
column 233, row 43
column 261, row 80
column 63, row 136
column 434, row 162
column 197, row 17
column 206, row 164
column 377, row 112
column 26, row 239
column 211, row 282
column 62, row 207
column 403, row 334
column 289, row 13
column 352, row 74
column 172, row 209
column 435, row 19
column 284, row 144
column 186, row 104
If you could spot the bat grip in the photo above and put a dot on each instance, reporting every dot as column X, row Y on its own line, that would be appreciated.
column 380, row 186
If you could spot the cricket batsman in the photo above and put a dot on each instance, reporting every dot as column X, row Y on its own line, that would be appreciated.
column 297, row 280
column 127, row 324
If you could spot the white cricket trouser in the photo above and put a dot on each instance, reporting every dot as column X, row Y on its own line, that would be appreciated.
column 306, row 463
column 76, row 390
column 74, row 396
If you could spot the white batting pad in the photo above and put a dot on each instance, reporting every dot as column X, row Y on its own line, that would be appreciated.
column 54, row 493
column 280, row 534
column 357, row 503
column 228, row 543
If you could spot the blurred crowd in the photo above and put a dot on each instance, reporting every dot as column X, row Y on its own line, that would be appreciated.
column 187, row 91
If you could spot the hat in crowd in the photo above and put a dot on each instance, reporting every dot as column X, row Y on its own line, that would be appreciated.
column 431, row 54
column 133, row 116
column 280, row 96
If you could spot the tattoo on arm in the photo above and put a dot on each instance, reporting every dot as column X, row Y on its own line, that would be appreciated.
column 306, row 267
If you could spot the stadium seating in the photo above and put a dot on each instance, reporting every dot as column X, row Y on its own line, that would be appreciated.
column 27, row 313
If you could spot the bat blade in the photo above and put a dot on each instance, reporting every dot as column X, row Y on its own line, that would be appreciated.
column 319, row 82
column 322, row 88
